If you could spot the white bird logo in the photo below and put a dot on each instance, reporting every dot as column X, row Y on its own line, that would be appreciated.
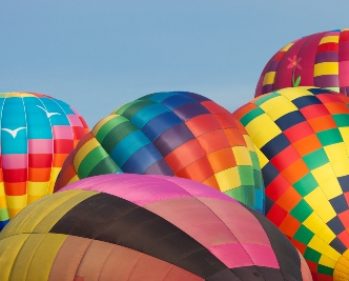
column 13, row 132
column 48, row 114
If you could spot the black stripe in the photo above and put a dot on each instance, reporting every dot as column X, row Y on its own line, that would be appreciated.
column 115, row 220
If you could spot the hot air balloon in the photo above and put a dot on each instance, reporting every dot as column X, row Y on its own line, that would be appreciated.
column 302, row 136
column 320, row 60
column 37, row 132
column 144, row 228
column 172, row 133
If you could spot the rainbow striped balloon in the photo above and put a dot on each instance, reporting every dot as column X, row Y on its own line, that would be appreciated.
column 37, row 133
column 173, row 133
column 320, row 59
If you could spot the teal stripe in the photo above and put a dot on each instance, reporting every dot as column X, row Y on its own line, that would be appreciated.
column 128, row 146
column 148, row 113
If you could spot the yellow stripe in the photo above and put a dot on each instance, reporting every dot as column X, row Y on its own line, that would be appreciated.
column 328, row 180
column 269, row 78
column 326, row 68
column 291, row 94
column 37, row 188
column 249, row 143
column 44, row 257
column 45, row 213
column 228, row 179
column 326, row 261
column 329, row 39
column 317, row 226
column 278, row 107
column 242, row 155
column 322, row 247
column 262, row 130
column 105, row 120
column 320, row 204
column 9, row 249
column 262, row 159
column 84, row 151
column 16, row 203
column 16, row 94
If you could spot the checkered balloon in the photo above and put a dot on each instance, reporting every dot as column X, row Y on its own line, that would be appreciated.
column 302, row 136
column 172, row 133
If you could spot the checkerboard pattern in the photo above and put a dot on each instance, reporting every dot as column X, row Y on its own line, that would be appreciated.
column 303, row 139
column 37, row 133
column 173, row 133
column 320, row 60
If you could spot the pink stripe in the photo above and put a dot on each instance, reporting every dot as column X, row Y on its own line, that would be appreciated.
column 140, row 193
column 37, row 146
column 75, row 120
column 344, row 73
column 248, row 255
column 14, row 161
column 213, row 219
column 63, row 132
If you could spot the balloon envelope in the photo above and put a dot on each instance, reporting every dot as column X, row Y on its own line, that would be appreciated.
column 141, row 227
column 320, row 59
column 172, row 133
column 303, row 139
column 36, row 132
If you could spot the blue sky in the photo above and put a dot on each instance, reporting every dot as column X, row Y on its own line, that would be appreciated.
column 99, row 54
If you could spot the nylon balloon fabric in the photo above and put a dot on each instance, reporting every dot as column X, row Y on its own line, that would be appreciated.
column 172, row 133
column 303, row 139
column 131, row 227
column 320, row 60
column 36, row 132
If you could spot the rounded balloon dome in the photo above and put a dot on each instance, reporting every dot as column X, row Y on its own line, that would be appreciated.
column 36, row 132
column 303, row 139
column 320, row 60
column 172, row 133
column 144, row 227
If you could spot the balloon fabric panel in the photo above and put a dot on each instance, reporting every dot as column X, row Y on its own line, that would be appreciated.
column 319, row 59
column 210, row 237
column 305, row 159
column 37, row 133
column 173, row 133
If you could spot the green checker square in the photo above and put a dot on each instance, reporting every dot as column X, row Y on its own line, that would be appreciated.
column 312, row 255
column 325, row 270
column 331, row 136
column 246, row 175
column 303, row 235
column 251, row 115
column 316, row 159
column 306, row 185
column 342, row 120
column 301, row 211
column 264, row 98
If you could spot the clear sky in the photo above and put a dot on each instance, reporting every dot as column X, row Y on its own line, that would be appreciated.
column 99, row 54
